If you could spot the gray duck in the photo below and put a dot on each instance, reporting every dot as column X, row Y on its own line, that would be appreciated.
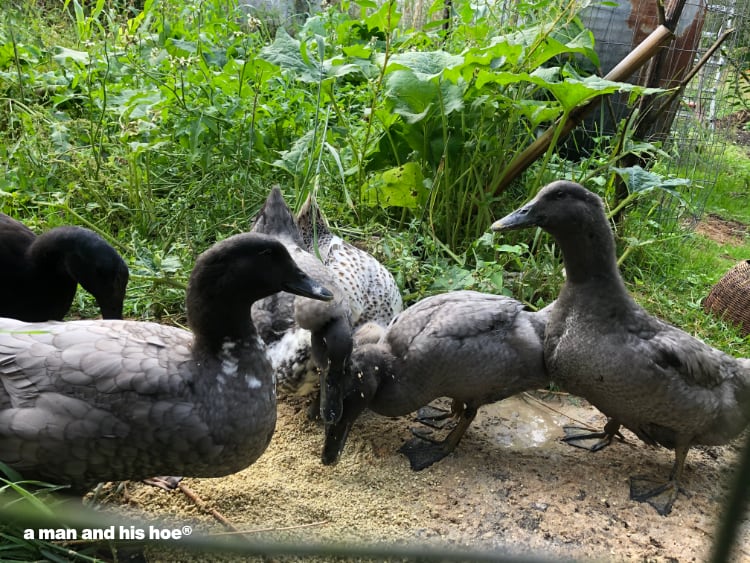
column 100, row 400
column 668, row 387
column 472, row 347
column 371, row 289
column 308, row 341
column 41, row 273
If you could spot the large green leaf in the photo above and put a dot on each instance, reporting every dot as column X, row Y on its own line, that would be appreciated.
column 286, row 53
column 544, row 51
column 570, row 90
column 412, row 96
column 292, row 55
column 402, row 186
column 63, row 55
column 425, row 65
column 639, row 180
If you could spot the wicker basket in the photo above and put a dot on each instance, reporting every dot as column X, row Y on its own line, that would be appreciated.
column 730, row 297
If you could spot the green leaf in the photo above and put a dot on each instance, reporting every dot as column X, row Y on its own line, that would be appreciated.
column 62, row 55
column 385, row 18
column 398, row 187
column 181, row 48
column 358, row 51
column 550, row 48
column 410, row 97
column 286, row 53
column 639, row 180
column 293, row 160
column 453, row 278
column 425, row 65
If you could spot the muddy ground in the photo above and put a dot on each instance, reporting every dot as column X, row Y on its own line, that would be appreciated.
column 511, row 486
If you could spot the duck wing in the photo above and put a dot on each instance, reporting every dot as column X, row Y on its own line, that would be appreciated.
column 91, row 400
column 458, row 316
column 669, row 387
column 678, row 355
column 91, row 360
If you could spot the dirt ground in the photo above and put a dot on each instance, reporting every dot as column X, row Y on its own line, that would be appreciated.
column 723, row 231
column 511, row 486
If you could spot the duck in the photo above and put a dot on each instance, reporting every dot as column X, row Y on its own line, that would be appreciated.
column 474, row 348
column 666, row 386
column 41, row 273
column 309, row 341
column 371, row 289
column 87, row 401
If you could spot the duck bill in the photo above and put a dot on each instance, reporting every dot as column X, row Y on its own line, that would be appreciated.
column 518, row 219
column 336, row 435
column 305, row 286
column 331, row 399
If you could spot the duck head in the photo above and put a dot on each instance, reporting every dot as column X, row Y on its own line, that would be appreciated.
column 366, row 368
column 332, row 347
column 100, row 270
column 225, row 283
column 339, row 382
column 276, row 219
column 559, row 208
column 575, row 217
column 91, row 262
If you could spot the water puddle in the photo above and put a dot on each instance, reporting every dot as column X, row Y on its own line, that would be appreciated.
column 520, row 422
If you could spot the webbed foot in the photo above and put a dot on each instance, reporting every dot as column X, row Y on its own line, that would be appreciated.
column 580, row 437
column 658, row 494
column 166, row 482
column 423, row 452
column 434, row 417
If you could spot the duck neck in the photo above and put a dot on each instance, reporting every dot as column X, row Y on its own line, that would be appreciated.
column 215, row 322
column 589, row 257
column 55, row 283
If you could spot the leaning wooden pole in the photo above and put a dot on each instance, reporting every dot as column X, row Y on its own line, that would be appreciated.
column 627, row 66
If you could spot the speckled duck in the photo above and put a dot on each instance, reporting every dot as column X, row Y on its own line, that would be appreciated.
column 308, row 341
column 666, row 386
column 371, row 289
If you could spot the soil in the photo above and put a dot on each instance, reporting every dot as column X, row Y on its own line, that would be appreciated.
column 510, row 486
column 722, row 231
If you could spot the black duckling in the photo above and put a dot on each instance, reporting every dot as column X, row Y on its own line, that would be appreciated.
column 103, row 400
column 472, row 347
column 371, row 289
column 666, row 386
column 308, row 341
column 40, row 273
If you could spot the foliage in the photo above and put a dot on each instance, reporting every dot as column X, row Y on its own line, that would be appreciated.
column 163, row 128
column 174, row 116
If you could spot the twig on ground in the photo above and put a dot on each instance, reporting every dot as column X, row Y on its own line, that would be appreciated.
column 200, row 503
column 545, row 405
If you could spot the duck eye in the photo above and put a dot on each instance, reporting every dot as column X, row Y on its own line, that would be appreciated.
column 559, row 194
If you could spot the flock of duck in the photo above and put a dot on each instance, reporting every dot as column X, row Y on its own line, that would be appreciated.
column 291, row 306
